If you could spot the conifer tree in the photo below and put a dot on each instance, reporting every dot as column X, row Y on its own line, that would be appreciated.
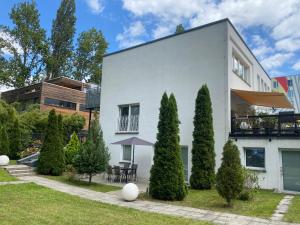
column 72, row 149
column 93, row 156
column 4, row 142
column 179, row 29
column 14, row 140
column 230, row 179
column 203, row 154
column 167, row 179
column 51, row 159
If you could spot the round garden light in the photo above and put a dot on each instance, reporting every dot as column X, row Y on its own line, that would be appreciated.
column 130, row 192
column 4, row 160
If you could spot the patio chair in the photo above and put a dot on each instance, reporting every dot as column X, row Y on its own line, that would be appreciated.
column 117, row 173
column 133, row 172
column 109, row 172
column 123, row 172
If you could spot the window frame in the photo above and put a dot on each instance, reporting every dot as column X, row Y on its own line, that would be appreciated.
column 129, row 118
column 254, row 167
column 122, row 154
column 60, row 106
column 242, row 70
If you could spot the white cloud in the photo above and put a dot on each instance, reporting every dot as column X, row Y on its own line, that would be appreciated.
column 288, row 44
column 95, row 6
column 261, row 47
column 296, row 66
column 4, row 88
column 132, row 35
column 276, row 60
column 161, row 31
column 289, row 27
column 5, row 36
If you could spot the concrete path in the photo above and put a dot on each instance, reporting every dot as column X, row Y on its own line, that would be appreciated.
column 14, row 182
column 148, row 206
column 282, row 208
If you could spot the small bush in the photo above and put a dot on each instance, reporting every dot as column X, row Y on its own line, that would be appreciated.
column 4, row 142
column 33, row 148
column 250, row 185
column 72, row 149
column 70, row 172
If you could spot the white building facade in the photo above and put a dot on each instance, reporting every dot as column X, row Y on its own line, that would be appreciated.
column 135, row 79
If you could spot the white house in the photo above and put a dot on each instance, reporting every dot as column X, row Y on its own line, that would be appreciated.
column 134, row 80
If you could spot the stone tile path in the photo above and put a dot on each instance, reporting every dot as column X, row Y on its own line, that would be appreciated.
column 187, row 212
column 282, row 208
column 14, row 182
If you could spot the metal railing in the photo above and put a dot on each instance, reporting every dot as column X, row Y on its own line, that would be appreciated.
column 128, row 123
column 282, row 125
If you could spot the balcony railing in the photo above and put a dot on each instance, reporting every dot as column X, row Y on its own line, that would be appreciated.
column 128, row 123
column 282, row 125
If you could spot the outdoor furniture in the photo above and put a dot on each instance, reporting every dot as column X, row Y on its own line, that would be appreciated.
column 117, row 173
column 133, row 172
column 125, row 173
column 109, row 172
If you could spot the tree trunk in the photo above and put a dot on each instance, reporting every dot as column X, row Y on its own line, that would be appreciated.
column 90, row 178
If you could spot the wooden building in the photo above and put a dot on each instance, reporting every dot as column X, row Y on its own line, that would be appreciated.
column 65, row 95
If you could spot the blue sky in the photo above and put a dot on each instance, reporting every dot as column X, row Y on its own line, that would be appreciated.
column 271, row 28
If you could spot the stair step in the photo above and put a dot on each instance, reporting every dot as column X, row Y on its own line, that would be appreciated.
column 16, row 167
column 23, row 174
column 21, row 171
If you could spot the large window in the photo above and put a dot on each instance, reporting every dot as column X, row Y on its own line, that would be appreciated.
column 275, row 84
column 129, row 118
column 60, row 103
column 126, row 153
column 290, row 83
column 255, row 158
column 241, row 69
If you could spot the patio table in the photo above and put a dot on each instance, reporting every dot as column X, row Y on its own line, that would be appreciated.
column 126, row 172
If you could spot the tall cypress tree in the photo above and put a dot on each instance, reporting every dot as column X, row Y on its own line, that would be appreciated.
column 63, row 29
column 14, row 140
column 51, row 159
column 167, row 179
column 4, row 143
column 203, row 154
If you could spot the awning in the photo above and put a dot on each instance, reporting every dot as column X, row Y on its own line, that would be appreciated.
column 267, row 99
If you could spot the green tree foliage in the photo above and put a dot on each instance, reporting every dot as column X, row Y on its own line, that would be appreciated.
column 167, row 178
column 15, row 140
column 51, row 160
column 4, row 142
column 89, row 56
column 26, row 43
column 73, row 123
column 230, row 179
column 203, row 154
column 179, row 29
column 93, row 156
column 72, row 149
column 63, row 30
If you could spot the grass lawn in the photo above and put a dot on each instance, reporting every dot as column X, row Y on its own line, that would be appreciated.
column 33, row 204
column 293, row 214
column 263, row 204
column 5, row 176
column 12, row 162
column 84, row 184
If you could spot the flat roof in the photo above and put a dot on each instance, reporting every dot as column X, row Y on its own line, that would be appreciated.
column 187, row 31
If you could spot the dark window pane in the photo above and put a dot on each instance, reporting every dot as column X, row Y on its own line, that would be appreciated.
column 82, row 107
column 60, row 103
column 255, row 157
column 124, row 110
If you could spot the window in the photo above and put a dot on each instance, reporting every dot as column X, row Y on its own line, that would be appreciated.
column 126, row 153
column 241, row 69
column 261, row 85
column 290, row 94
column 290, row 83
column 60, row 103
column 258, row 82
column 275, row 84
column 82, row 107
column 129, row 118
column 265, row 87
column 255, row 157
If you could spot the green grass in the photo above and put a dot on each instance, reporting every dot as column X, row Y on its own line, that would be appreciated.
column 84, row 184
column 33, row 204
column 5, row 176
column 263, row 204
column 12, row 162
column 293, row 214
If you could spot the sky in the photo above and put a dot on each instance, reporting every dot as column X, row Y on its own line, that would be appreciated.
column 271, row 28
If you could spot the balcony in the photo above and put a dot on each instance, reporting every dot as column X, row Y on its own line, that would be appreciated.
column 285, row 125
column 128, row 124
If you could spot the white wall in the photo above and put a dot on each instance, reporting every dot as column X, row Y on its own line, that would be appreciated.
column 271, row 178
column 181, row 64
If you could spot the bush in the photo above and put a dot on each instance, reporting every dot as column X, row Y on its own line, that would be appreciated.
column 72, row 149
column 51, row 159
column 33, row 148
column 167, row 178
column 93, row 156
column 250, row 186
column 203, row 153
column 4, row 142
column 230, row 179
column 15, row 140
column 72, row 123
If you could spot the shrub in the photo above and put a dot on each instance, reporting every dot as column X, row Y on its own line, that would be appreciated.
column 230, row 179
column 93, row 156
column 167, row 178
column 72, row 149
column 4, row 142
column 33, row 148
column 51, row 159
column 72, row 123
column 250, row 186
column 15, row 140
column 203, row 154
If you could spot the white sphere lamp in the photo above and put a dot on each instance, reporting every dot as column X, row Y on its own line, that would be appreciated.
column 4, row 160
column 130, row 192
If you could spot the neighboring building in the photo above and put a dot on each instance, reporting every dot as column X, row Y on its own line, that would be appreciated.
column 65, row 95
column 289, row 85
column 135, row 79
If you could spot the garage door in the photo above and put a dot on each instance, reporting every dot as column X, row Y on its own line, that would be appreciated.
column 291, row 170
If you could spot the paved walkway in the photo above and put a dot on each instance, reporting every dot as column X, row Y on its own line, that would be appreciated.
column 187, row 212
column 13, row 182
column 282, row 208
